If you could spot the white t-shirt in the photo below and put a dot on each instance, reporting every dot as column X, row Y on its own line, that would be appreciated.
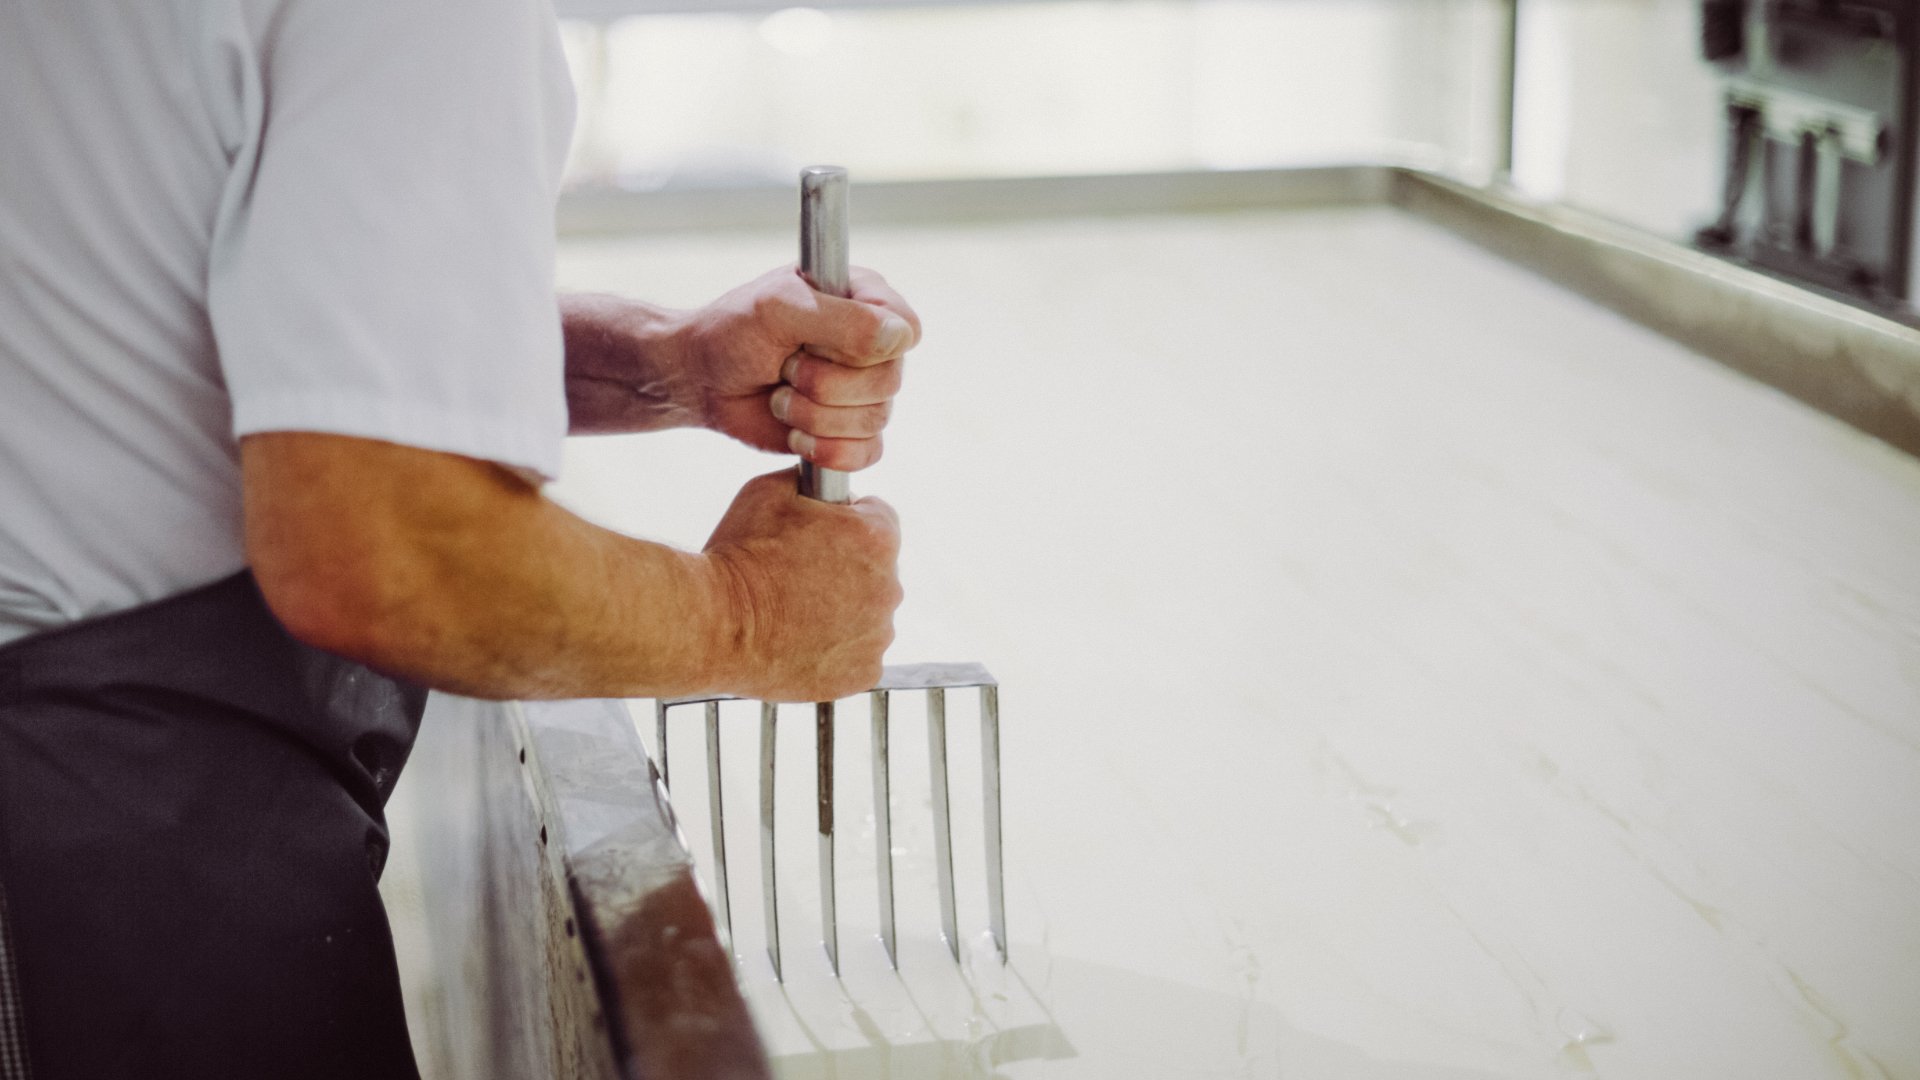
column 220, row 217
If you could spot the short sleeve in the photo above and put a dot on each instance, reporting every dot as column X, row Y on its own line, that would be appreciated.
column 383, row 263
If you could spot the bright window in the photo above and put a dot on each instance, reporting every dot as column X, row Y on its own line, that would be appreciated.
column 725, row 97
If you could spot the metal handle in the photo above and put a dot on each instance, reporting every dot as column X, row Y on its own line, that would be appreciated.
column 823, row 261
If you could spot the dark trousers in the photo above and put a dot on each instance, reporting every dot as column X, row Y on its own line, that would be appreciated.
column 191, row 834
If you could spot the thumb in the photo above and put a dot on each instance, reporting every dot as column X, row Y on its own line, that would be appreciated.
column 846, row 331
column 879, row 510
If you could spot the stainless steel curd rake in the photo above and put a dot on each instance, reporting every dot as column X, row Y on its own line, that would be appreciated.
column 823, row 259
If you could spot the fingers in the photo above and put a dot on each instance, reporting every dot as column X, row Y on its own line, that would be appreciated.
column 846, row 455
column 845, row 438
column 783, row 481
column 873, row 327
column 870, row 288
column 857, row 334
column 853, row 422
column 880, row 510
column 844, row 372
column 836, row 384
column 836, row 412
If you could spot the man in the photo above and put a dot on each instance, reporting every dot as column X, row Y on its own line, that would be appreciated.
column 281, row 369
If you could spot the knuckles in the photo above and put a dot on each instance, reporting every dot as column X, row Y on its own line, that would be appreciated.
column 823, row 382
column 873, row 343
column 871, row 420
column 816, row 586
column 783, row 295
column 837, row 421
column 805, row 379
column 850, row 455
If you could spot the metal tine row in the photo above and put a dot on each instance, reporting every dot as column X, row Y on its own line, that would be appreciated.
column 935, row 680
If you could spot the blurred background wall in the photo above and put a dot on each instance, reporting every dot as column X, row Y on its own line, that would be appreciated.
column 1616, row 112
column 920, row 91
column 1613, row 109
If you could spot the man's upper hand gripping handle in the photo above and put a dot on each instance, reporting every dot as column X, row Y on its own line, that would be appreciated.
column 775, row 363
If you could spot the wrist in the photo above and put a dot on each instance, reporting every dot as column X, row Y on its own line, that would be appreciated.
column 667, row 339
column 629, row 365
column 731, row 621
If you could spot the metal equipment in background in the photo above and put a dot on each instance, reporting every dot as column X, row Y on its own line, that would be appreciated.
column 1820, row 108
column 823, row 259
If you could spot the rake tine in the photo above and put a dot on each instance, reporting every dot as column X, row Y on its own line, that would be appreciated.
column 660, row 739
column 990, row 780
column 883, row 825
column 942, row 821
column 935, row 680
column 829, row 918
column 717, row 815
column 768, row 888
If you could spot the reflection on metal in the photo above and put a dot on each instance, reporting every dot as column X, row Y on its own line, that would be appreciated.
column 1743, row 148
column 823, row 805
column 1819, row 96
column 935, row 679
column 660, row 739
column 598, row 211
column 1860, row 366
column 1824, row 207
column 942, row 817
column 1859, row 133
column 823, row 260
column 990, row 780
column 723, row 902
column 769, row 887
column 883, row 824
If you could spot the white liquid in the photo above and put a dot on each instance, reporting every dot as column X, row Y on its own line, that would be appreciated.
column 1410, row 670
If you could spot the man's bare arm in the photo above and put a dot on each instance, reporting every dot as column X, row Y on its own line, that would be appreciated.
column 626, row 371
column 458, row 574
column 772, row 363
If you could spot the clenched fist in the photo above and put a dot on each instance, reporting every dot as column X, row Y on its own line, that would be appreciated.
column 786, row 367
column 813, row 587
column 773, row 363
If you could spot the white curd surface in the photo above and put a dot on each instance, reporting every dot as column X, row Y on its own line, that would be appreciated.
column 1411, row 670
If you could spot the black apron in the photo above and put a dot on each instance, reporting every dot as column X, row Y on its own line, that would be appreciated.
column 191, row 833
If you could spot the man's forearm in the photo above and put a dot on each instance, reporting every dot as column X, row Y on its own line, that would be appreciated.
column 458, row 574
column 484, row 587
column 772, row 363
column 624, row 373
